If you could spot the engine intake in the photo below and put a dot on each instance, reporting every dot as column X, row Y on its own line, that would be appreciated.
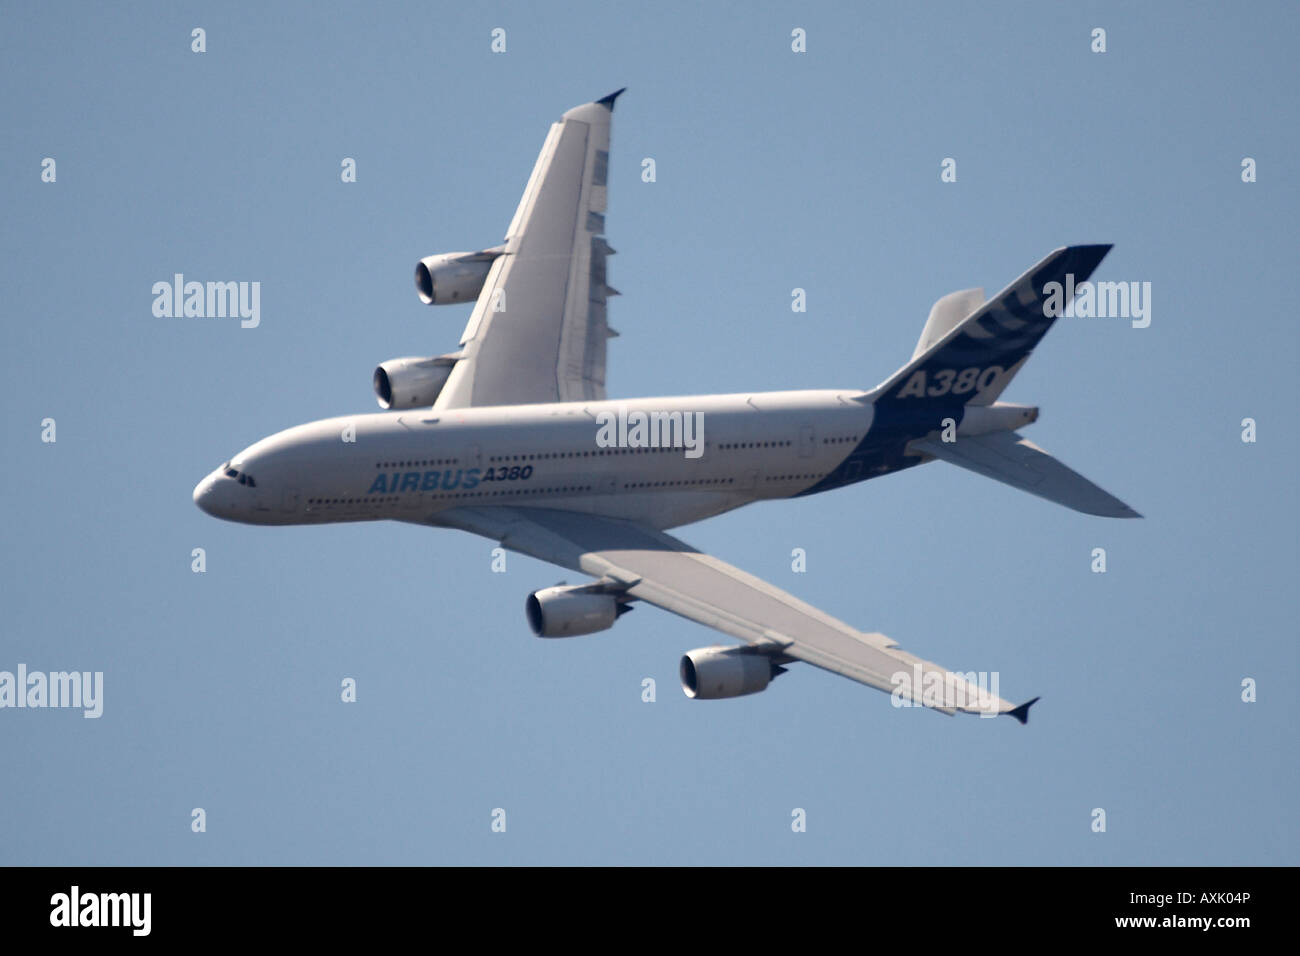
column 411, row 382
column 453, row 276
column 570, row 611
column 715, row 673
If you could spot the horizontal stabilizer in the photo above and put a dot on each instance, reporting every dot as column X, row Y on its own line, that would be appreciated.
column 945, row 314
column 1014, row 460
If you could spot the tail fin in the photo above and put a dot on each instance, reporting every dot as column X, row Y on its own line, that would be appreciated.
column 967, row 355
column 975, row 360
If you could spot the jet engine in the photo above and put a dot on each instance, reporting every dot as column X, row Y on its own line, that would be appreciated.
column 713, row 673
column 411, row 382
column 453, row 276
column 570, row 611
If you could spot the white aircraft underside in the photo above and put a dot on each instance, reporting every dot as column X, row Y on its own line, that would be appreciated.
column 511, row 437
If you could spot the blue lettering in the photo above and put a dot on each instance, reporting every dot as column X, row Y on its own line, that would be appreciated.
column 447, row 483
column 471, row 478
column 379, row 487
column 410, row 481
column 430, row 481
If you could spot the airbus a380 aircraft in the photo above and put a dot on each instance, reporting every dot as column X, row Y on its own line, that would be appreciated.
column 511, row 437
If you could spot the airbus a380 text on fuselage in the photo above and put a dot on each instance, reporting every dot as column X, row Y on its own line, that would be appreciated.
column 511, row 437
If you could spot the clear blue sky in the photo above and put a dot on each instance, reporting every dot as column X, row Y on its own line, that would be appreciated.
column 775, row 171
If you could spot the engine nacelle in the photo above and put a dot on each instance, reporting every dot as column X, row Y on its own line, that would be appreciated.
column 713, row 673
column 453, row 276
column 411, row 382
column 570, row 611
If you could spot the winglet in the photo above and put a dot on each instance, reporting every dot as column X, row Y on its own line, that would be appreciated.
column 608, row 101
column 1021, row 713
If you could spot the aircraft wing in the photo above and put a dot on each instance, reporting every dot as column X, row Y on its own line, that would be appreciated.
column 538, row 329
column 654, row 567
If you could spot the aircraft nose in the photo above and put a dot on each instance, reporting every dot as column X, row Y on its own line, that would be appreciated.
column 204, row 497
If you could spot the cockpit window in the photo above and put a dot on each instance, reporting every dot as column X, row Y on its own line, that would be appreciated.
column 243, row 477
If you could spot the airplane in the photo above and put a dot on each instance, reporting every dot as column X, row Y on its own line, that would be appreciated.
column 512, row 437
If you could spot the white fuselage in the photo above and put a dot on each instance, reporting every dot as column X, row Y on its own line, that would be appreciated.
column 409, row 465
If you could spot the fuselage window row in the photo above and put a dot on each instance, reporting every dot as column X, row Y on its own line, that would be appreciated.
column 392, row 499
column 545, row 456
column 423, row 463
